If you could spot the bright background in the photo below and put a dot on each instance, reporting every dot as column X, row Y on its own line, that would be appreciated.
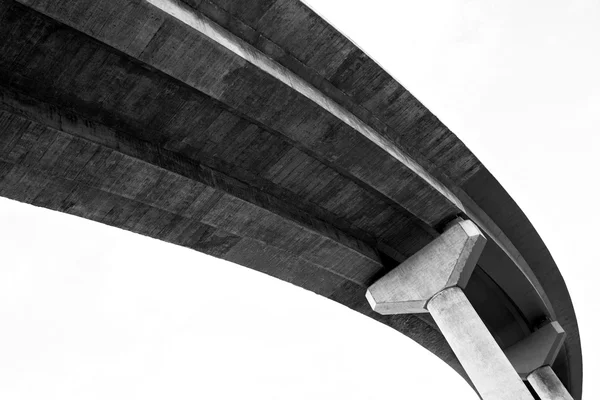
column 92, row 312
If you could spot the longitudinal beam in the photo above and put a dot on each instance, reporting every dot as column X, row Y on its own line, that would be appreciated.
column 208, row 58
column 179, row 41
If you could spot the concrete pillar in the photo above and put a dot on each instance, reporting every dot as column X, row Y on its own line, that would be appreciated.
column 433, row 280
column 479, row 354
column 532, row 359
column 547, row 385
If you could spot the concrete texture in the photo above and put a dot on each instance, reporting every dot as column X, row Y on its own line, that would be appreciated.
column 170, row 119
column 537, row 350
column 547, row 385
column 490, row 371
column 447, row 261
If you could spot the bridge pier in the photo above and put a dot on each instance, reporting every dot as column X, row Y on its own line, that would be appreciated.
column 433, row 280
column 532, row 359
column 547, row 385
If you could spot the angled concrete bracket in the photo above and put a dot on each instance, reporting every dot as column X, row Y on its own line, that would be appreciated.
column 432, row 280
column 533, row 357
column 447, row 261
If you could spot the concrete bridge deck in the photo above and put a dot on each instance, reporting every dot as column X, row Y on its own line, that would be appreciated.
column 255, row 132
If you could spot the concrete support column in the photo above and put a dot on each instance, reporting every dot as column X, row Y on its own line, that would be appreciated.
column 479, row 354
column 432, row 280
column 532, row 359
column 547, row 385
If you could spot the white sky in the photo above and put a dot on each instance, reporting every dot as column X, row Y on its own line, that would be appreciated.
column 92, row 312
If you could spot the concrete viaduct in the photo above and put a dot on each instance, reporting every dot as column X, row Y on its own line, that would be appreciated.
column 255, row 132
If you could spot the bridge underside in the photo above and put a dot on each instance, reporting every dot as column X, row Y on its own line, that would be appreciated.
column 171, row 119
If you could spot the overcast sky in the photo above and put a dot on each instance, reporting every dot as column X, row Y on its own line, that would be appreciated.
column 92, row 312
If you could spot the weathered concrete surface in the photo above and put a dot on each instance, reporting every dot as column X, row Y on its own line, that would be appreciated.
column 547, row 385
column 176, row 109
column 537, row 350
column 490, row 371
column 447, row 261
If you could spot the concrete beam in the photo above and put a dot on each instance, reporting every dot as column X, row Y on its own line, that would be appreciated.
column 209, row 59
column 69, row 151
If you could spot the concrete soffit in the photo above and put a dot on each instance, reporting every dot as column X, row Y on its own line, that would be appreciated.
column 458, row 197
column 200, row 23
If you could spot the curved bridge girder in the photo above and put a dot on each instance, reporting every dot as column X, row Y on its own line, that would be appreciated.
column 199, row 123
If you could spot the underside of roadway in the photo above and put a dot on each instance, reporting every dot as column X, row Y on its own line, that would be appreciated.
column 253, row 131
